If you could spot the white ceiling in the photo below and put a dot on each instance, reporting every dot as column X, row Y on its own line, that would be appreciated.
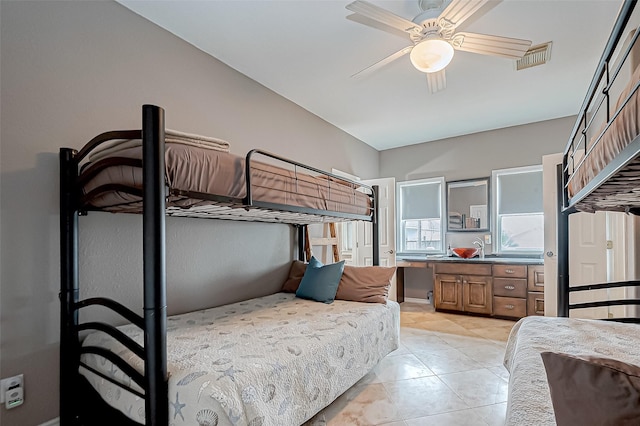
column 306, row 51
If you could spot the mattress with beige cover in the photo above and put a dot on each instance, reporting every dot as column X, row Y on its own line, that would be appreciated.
column 623, row 129
column 275, row 360
column 192, row 169
column 529, row 400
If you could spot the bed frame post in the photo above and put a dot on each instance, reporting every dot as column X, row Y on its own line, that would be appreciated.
column 376, row 227
column 302, row 229
column 154, row 258
column 563, row 246
column 69, row 344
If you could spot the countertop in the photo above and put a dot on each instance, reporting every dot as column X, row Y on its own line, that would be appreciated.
column 487, row 259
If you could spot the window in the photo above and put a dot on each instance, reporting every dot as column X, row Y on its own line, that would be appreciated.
column 518, row 205
column 420, row 224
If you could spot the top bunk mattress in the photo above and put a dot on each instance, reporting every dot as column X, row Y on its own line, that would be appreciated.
column 622, row 130
column 199, row 177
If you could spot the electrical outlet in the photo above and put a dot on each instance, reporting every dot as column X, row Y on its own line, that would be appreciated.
column 8, row 387
column 487, row 239
column 14, row 398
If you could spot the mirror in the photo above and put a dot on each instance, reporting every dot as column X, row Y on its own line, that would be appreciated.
column 468, row 205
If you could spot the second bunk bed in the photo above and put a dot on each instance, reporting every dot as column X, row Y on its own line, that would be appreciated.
column 601, row 163
column 573, row 370
column 268, row 361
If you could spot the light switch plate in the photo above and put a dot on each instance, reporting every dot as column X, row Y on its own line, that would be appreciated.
column 487, row 239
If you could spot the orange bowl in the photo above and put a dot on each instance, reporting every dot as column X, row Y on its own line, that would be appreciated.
column 466, row 252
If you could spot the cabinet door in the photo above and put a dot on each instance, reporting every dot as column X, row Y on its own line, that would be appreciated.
column 478, row 295
column 535, row 303
column 448, row 292
column 536, row 278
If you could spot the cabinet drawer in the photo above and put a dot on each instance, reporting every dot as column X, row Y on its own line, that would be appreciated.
column 535, row 303
column 411, row 264
column 510, row 287
column 509, row 307
column 462, row 268
column 536, row 277
column 511, row 271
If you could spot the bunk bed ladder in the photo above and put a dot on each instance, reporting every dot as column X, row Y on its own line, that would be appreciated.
column 332, row 241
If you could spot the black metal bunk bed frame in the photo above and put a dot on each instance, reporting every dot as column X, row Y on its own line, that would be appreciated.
column 154, row 381
column 624, row 170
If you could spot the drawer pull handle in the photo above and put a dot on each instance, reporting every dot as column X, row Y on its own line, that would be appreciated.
column 509, row 271
column 509, row 306
column 509, row 287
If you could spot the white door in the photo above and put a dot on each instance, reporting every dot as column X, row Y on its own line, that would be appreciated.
column 386, row 221
column 549, row 205
column 590, row 259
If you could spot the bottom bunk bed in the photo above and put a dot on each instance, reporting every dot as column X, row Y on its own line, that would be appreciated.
column 592, row 390
column 274, row 360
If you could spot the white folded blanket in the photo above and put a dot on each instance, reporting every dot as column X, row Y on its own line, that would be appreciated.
column 170, row 136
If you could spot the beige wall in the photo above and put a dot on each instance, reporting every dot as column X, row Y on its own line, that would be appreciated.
column 71, row 70
column 467, row 157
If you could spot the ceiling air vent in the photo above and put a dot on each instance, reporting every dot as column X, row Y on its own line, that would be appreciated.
column 536, row 55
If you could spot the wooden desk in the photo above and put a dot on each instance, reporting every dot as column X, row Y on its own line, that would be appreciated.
column 400, row 265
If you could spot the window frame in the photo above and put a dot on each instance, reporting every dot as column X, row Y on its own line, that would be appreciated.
column 400, row 231
column 497, row 228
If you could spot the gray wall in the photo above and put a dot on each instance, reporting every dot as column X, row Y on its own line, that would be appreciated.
column 71, row 70
column 467, row 157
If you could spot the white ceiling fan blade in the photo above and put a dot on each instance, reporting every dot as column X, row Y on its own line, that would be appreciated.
column 361, row 19
column 506, row 47
column 383, row 62
column 459, row 11
column 379, row 14
column 436, row 81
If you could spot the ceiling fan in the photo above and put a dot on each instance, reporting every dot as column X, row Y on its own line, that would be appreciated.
column 434, row 35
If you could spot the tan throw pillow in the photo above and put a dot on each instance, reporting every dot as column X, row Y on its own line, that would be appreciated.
column 365, row 283
column 296, row 272
column 593, row 391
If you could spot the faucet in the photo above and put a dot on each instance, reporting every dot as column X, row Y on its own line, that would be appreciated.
column 480, row 243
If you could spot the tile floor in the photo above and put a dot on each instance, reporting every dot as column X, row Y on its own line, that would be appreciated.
column 447, row 372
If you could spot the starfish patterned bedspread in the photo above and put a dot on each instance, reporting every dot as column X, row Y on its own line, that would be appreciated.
column 274, row 360
column 529, row 400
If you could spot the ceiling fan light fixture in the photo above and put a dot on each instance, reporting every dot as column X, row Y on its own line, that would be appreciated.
column 431, row 55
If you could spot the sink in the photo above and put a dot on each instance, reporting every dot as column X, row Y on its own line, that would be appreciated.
column 466, row 252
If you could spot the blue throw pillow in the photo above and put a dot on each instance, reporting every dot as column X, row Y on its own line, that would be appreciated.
column 315, row 263
column 320, row 282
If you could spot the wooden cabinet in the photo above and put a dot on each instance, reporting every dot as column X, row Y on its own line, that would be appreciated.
column 476, row 294
column 502, row 290
column 535, row 290
column 448, row 292
column 463, row 287
column 511, row 307
column 510, row 290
